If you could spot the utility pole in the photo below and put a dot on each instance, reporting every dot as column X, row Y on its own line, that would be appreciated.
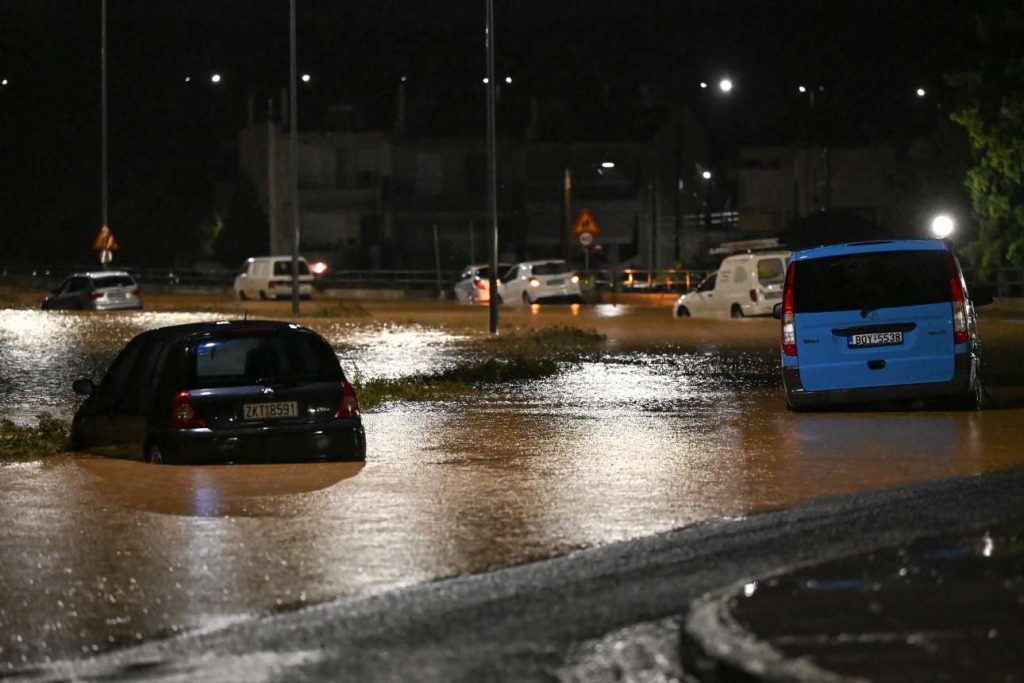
column 492, row 173
column 295, row 163
column 104, row 188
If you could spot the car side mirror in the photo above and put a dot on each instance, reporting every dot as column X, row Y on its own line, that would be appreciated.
column 777, row 311
column 83, row 387
column 982, row 295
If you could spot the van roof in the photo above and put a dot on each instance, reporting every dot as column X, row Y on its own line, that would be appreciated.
column 747, row 255
column 870, row 247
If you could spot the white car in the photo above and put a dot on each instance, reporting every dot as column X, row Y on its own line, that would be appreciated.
column 745, row 285
column 474, row 285
column 270, row 277
column 548, row 281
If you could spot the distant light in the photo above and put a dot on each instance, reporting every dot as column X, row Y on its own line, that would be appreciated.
column 802, row 88
column 607, row 164
column 943, row 226
column 215, row 78
column 704, row 85
column 305, row 78
column 921, row 92
column 3, row 82
column 706, row 175
column 403, row 79
column 725, row 85
column 318, row 267
column 508, row 79
column 749, row 588
column 486, row 81
column 188, row 79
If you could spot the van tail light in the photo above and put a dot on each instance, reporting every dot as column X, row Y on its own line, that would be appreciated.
column 183, row 413
column 956, row 292
column 753, row 295
column 788, row 320
column 271, row 284
column 96, row 295
column 349, row 405
column 480, row 283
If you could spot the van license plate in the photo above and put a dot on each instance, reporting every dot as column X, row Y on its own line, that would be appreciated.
column 876, row 339
column 270, row 411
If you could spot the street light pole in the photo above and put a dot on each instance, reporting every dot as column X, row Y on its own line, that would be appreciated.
column 103, row 113
column 294, row 136
column 492, row 173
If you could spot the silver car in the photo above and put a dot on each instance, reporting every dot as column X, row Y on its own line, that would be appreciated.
column 102, row 290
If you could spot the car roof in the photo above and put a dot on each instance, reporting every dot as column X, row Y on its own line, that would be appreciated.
column 188, row 331
column 870, row 247
column 100, row 273
column 542, row 261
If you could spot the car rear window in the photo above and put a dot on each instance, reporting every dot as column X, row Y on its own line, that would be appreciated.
column 247, row 358
column 285, row 268
column 553, row 268
column 874, row 280
column 113, row 281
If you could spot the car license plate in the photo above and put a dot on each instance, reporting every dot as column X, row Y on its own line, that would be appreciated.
column 556, row 282
column 876, row 339
column 270, row 411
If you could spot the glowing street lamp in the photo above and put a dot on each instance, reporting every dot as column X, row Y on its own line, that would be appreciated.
column 706, row 175
column 305, row 78
column 943, row 226
column 921, row 92
column 725, row 85
column 215, row 78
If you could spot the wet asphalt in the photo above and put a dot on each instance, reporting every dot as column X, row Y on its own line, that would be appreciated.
column 675, row 424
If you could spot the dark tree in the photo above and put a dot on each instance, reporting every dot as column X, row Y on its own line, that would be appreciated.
column 246, row 231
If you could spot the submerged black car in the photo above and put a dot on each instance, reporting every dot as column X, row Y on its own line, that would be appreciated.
column 222, row 392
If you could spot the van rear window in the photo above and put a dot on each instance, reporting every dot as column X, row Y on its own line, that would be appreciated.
column 877, row 280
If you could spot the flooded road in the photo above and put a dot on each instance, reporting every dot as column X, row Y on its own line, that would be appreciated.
column 675, row 422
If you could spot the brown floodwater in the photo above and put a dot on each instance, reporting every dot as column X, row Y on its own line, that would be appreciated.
column 673, row 423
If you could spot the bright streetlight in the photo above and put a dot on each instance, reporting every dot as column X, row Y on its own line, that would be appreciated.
column 305, row 78
column 725, row 85
column 703, row 85
column 508, row 79
column 921, row 92
column 802, row 88
column 607, row 164
column 215, row 78
column 943, row 226
column 706, row 175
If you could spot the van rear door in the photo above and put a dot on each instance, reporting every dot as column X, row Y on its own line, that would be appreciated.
column 873, row 319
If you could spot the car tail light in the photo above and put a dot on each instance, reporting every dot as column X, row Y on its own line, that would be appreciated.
column 479, row 283
column 97, row 295
column 753, row 295
column 349, row 406
column 788, row 320
column 956, row 292
column 575, row 279
column 534, row 282
column 271, row 284
column 137, row 291
column 183, row 413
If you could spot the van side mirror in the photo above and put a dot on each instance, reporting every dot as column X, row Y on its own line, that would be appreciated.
column 83, row 387
column 777, row 311
column 982, row 295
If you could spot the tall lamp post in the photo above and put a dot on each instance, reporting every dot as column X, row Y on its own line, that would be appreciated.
column 492, row 174
column 103, row 115
column 294, row 137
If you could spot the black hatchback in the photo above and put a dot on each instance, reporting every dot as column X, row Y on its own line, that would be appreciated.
column 222, row 392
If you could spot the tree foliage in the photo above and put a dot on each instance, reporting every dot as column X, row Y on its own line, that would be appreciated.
column 991, row 110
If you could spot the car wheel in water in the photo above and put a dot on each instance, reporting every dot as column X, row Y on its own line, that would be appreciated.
column 736, row 311
column 683, row 312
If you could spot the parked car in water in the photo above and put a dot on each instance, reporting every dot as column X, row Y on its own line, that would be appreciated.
column 102, row 290
column 270, row 277
column 224, row 391
column 474, row 285
column 745, row 285
column 879, row 320
column 548, row 281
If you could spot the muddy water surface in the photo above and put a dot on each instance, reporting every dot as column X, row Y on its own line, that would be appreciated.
column 647, row 437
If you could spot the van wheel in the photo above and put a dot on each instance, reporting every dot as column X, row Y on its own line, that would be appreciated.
column 263, row 295
column 682, row 312
column 526, row 299
column 736, row 311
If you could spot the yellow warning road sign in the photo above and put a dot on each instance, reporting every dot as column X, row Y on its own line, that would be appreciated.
column 586, row 223
column 104, row 240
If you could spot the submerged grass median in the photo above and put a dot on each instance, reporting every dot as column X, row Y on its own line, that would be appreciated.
column 517, row 357
column 48, row 437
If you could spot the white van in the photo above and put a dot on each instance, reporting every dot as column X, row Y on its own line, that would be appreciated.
column 745, row 284
column 270, row 277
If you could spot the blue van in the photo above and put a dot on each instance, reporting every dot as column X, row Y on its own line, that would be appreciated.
column 886, row 320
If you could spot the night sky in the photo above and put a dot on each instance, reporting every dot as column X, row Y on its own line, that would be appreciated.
column 608, row 67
